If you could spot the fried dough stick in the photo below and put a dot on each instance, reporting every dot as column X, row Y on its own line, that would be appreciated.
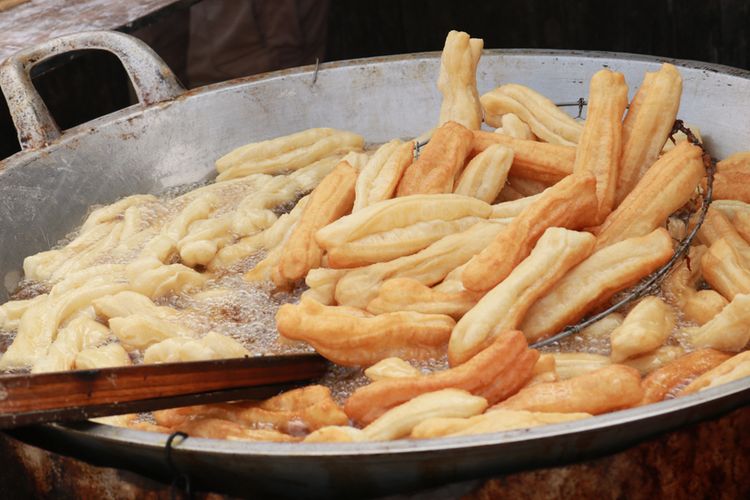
column 728, row 331
column 492, row 421
column 725, row 269
column 570, row 204
column 287, row 153
column 458, row 80
column 547, row 121
column 595, row 280
column 600, row 146
column 504, row 307
column 663, row 380
column 395, row 243
column 398, row 422
column 534, row 160
column 734, row 368
column 610, row 388
column 679, row 286
column 485, row 175
column 494, row 374
column 512, row 125
column 307, row 408
column 428, row 266
column 439, row 165
column 647, row 126
column 377, row 166
column 407, row 294
column 646, row 327
column 216, row 428
column 717, row 226
column 332, row 199
column 351, row 337
column 732, row 179
column 399, row 213
column 664, row 188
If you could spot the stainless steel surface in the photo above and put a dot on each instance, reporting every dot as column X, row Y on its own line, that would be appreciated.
column 152, row 80
column 45, row 193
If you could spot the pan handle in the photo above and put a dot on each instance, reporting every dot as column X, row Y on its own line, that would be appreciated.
column 152, row 79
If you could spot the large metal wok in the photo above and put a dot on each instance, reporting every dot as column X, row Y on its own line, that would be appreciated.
column 173, row 136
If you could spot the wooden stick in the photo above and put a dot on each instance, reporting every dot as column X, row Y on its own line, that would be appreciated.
column 82, row 394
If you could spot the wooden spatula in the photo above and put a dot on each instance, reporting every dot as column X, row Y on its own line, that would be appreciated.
column 77, row 395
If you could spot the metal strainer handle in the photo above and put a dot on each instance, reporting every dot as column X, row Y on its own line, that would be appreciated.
column 152, row 79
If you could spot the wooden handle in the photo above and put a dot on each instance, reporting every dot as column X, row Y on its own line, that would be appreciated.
column 47, row 397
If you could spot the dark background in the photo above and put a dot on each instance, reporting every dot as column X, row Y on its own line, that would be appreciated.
column 708, row 30
column 92, row 84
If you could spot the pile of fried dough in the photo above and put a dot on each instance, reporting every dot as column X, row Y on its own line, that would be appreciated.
column 473, row 246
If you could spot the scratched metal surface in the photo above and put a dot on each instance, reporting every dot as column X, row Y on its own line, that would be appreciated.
column 44, row 193
column 39, row 20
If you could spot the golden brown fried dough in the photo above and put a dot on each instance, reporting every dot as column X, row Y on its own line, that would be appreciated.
column 407, row 294
column 401, row 212
column 725, row 270
column 395, row 243
column 299, row 410
column 527, row 187
column 734, row 368
column 741, row 223
column 732, row 179
column 258, row 151
column 429, row 266
column 494, row 374
column 647, row 125
column 545, row 370
column 600, row 147
column 371, row 171
column 484, row 176
column 610, row 388
column 576, row 364
column 718, row 226
column 504, row 307
column 513, row 126
column 547, row 121
column 216, row 428
column 322, row 282
column 329, row 201
column 492, row 421
column 646, row 327
column 508, row 194
column 702, row 306
column 728, row 331
column 383, row 185
column 509, row 209
column 268, row 239
column 738, row 212
column 601, row 330
column 570, row 203
column 303, row 149
column 664, row 380
column 446, row 403
column 664, row 188
column 595, row 280
column 439, row 163
column 391, row 368
column 680, row 289
column 649, row 362
column 354, row 338
column 531, row 159
column 335, row 434
column 458, row 80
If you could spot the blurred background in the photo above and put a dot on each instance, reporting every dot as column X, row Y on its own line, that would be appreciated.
column 207, row 41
